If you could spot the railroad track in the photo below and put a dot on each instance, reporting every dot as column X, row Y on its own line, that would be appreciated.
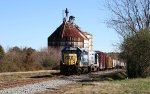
column 76, row 78
column 40, row 84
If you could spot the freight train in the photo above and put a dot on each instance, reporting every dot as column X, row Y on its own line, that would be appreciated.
column 76, row 61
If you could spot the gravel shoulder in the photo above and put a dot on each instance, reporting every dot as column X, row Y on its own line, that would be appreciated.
column 36, row 87
column 61, row 89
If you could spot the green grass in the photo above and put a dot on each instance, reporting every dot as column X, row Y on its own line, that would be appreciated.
column 135, row 86
column 130, row 86
column 114, row 84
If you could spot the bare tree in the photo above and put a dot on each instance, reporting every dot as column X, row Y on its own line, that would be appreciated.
column 129, row 16
column 131, row 20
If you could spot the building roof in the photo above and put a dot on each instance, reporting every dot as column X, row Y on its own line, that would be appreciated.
column 66, row 29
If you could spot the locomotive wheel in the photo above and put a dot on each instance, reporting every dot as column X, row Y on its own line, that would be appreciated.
column 89, row 69
column 67, row 71
column 70, row 70
column 79, row 71
column 62, row 68
column 94, row 68
column 75, row 69
column 98, row 69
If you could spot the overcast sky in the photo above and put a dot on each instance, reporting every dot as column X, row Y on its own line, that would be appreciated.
column 28, row 23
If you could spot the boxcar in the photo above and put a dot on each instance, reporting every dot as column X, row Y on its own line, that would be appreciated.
column 102, row 60
column 109, row 62
column 114, row 63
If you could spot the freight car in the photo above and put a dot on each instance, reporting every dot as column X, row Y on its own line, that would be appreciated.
column 109, row 62
column 102, row 60
column 75, row 61
column 120, row 64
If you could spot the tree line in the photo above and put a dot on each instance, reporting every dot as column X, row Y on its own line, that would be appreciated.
column 27, row 59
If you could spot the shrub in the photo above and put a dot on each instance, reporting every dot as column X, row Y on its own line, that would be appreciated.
column 28, row 59
column 136, row 51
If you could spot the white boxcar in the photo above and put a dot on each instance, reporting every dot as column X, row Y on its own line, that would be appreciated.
column 122, row 65
column 114, row 63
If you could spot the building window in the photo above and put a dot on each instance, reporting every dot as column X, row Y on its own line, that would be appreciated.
column 65, row 38
column 78, row 39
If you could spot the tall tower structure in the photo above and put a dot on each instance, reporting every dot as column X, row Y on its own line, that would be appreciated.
column 69, row 34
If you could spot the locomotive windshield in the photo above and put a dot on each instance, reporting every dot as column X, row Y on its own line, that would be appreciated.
column 84, row 57
column 69, row 51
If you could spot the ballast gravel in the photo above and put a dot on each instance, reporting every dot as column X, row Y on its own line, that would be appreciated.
column 37, row 87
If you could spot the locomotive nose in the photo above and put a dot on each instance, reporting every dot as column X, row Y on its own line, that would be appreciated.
column 70, row 59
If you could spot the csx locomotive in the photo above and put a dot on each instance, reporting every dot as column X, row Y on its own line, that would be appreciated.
column 76, row 61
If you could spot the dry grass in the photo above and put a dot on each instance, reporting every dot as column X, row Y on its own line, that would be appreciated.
column 136, row 86
column 131, row 86
column 127, row 86
column 111, row 84
column 13, row 76
column 96, row 88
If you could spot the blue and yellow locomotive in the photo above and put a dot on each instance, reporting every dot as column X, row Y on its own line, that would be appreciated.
column 76, row 61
